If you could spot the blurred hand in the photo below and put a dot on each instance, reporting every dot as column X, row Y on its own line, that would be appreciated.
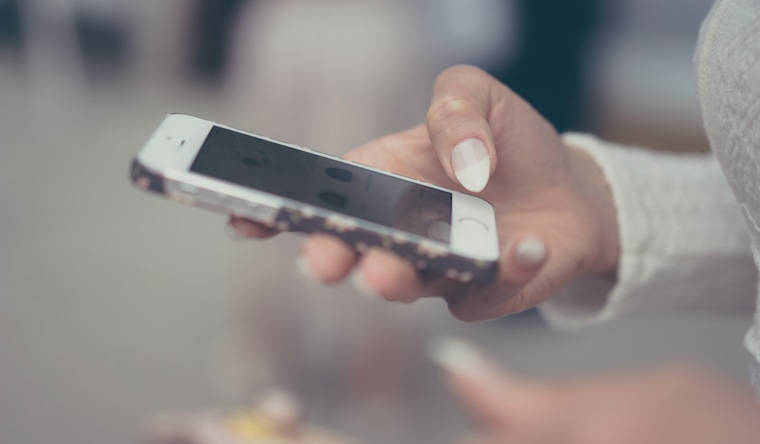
column 554, row 211
column 674, row 406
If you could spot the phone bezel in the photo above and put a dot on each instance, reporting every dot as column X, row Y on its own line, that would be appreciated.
column 175, row 144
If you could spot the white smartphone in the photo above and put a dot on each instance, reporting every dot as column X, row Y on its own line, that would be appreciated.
column 291, row 188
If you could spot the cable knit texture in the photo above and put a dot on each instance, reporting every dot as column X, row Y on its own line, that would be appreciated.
column 686, row 231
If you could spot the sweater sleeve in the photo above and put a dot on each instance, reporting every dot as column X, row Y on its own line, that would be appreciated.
column 683, row 240
column 727, row 66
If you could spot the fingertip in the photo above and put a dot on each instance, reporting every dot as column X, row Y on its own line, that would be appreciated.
column 481, row 386
column 382, row 273
column 454, row 355
column 492, row 395
column 304, row 269
column 239, row 229
column 360, row 284
column 325, row 259
column 472, row 164
column 234, row 233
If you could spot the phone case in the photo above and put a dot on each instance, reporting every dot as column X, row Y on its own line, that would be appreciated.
column 432, row 259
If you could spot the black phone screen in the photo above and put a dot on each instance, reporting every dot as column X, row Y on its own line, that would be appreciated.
column 325, row 183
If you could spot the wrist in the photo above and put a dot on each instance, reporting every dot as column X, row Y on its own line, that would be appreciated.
column 596, row 193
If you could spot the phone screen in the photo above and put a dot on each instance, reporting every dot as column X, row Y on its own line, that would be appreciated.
column 326, row 183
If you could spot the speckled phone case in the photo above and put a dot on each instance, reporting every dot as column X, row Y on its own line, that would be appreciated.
column 432, row 259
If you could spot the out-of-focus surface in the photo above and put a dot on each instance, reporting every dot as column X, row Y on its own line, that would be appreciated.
column 644, row 92
column 115, row 305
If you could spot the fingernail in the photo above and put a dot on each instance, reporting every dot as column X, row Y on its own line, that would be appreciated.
column 304, row 269
column 455, row 355
column 471, row 164
column 233, row 232
column 530, row 252
column 361, row 285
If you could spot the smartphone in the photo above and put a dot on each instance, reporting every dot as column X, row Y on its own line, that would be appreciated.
column 290, row 188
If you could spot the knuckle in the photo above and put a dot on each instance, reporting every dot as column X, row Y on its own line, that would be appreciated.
column 535, row 291
column 448, row 108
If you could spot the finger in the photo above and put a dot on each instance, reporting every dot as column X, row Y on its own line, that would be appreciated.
column 494, row 398
column 518, row 270
column 382, row 273
column 244, row 228
column 457, row 123
column 325, row 258
column 478, row 303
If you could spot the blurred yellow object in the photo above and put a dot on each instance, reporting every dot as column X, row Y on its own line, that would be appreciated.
column 251, row 426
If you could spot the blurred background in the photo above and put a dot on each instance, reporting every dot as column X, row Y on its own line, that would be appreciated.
column 115, row 305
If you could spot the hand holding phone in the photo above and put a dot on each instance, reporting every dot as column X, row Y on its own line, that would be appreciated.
column 555, row 215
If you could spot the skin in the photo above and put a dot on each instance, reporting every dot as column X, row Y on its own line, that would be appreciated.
column 676, row 405
column 540, row 189
column 544, row 190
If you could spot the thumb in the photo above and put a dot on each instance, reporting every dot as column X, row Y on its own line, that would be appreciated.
column 457, row 123
column 494, row 398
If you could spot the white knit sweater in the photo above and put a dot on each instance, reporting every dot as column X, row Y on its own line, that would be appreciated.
column 687, row 234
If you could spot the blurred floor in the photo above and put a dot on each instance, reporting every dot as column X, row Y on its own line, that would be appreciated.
column 114, row 305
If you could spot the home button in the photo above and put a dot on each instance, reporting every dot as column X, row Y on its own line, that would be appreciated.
column 470, row 224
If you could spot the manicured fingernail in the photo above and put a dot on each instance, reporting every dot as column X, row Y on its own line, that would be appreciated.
column 471, row 164
column 361, row 285
column 233, row 232
column 530, row 252
column 305, row 269
column 455, row 355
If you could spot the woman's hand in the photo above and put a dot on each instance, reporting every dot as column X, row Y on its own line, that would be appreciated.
column 673, row 406
column 554, row 211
